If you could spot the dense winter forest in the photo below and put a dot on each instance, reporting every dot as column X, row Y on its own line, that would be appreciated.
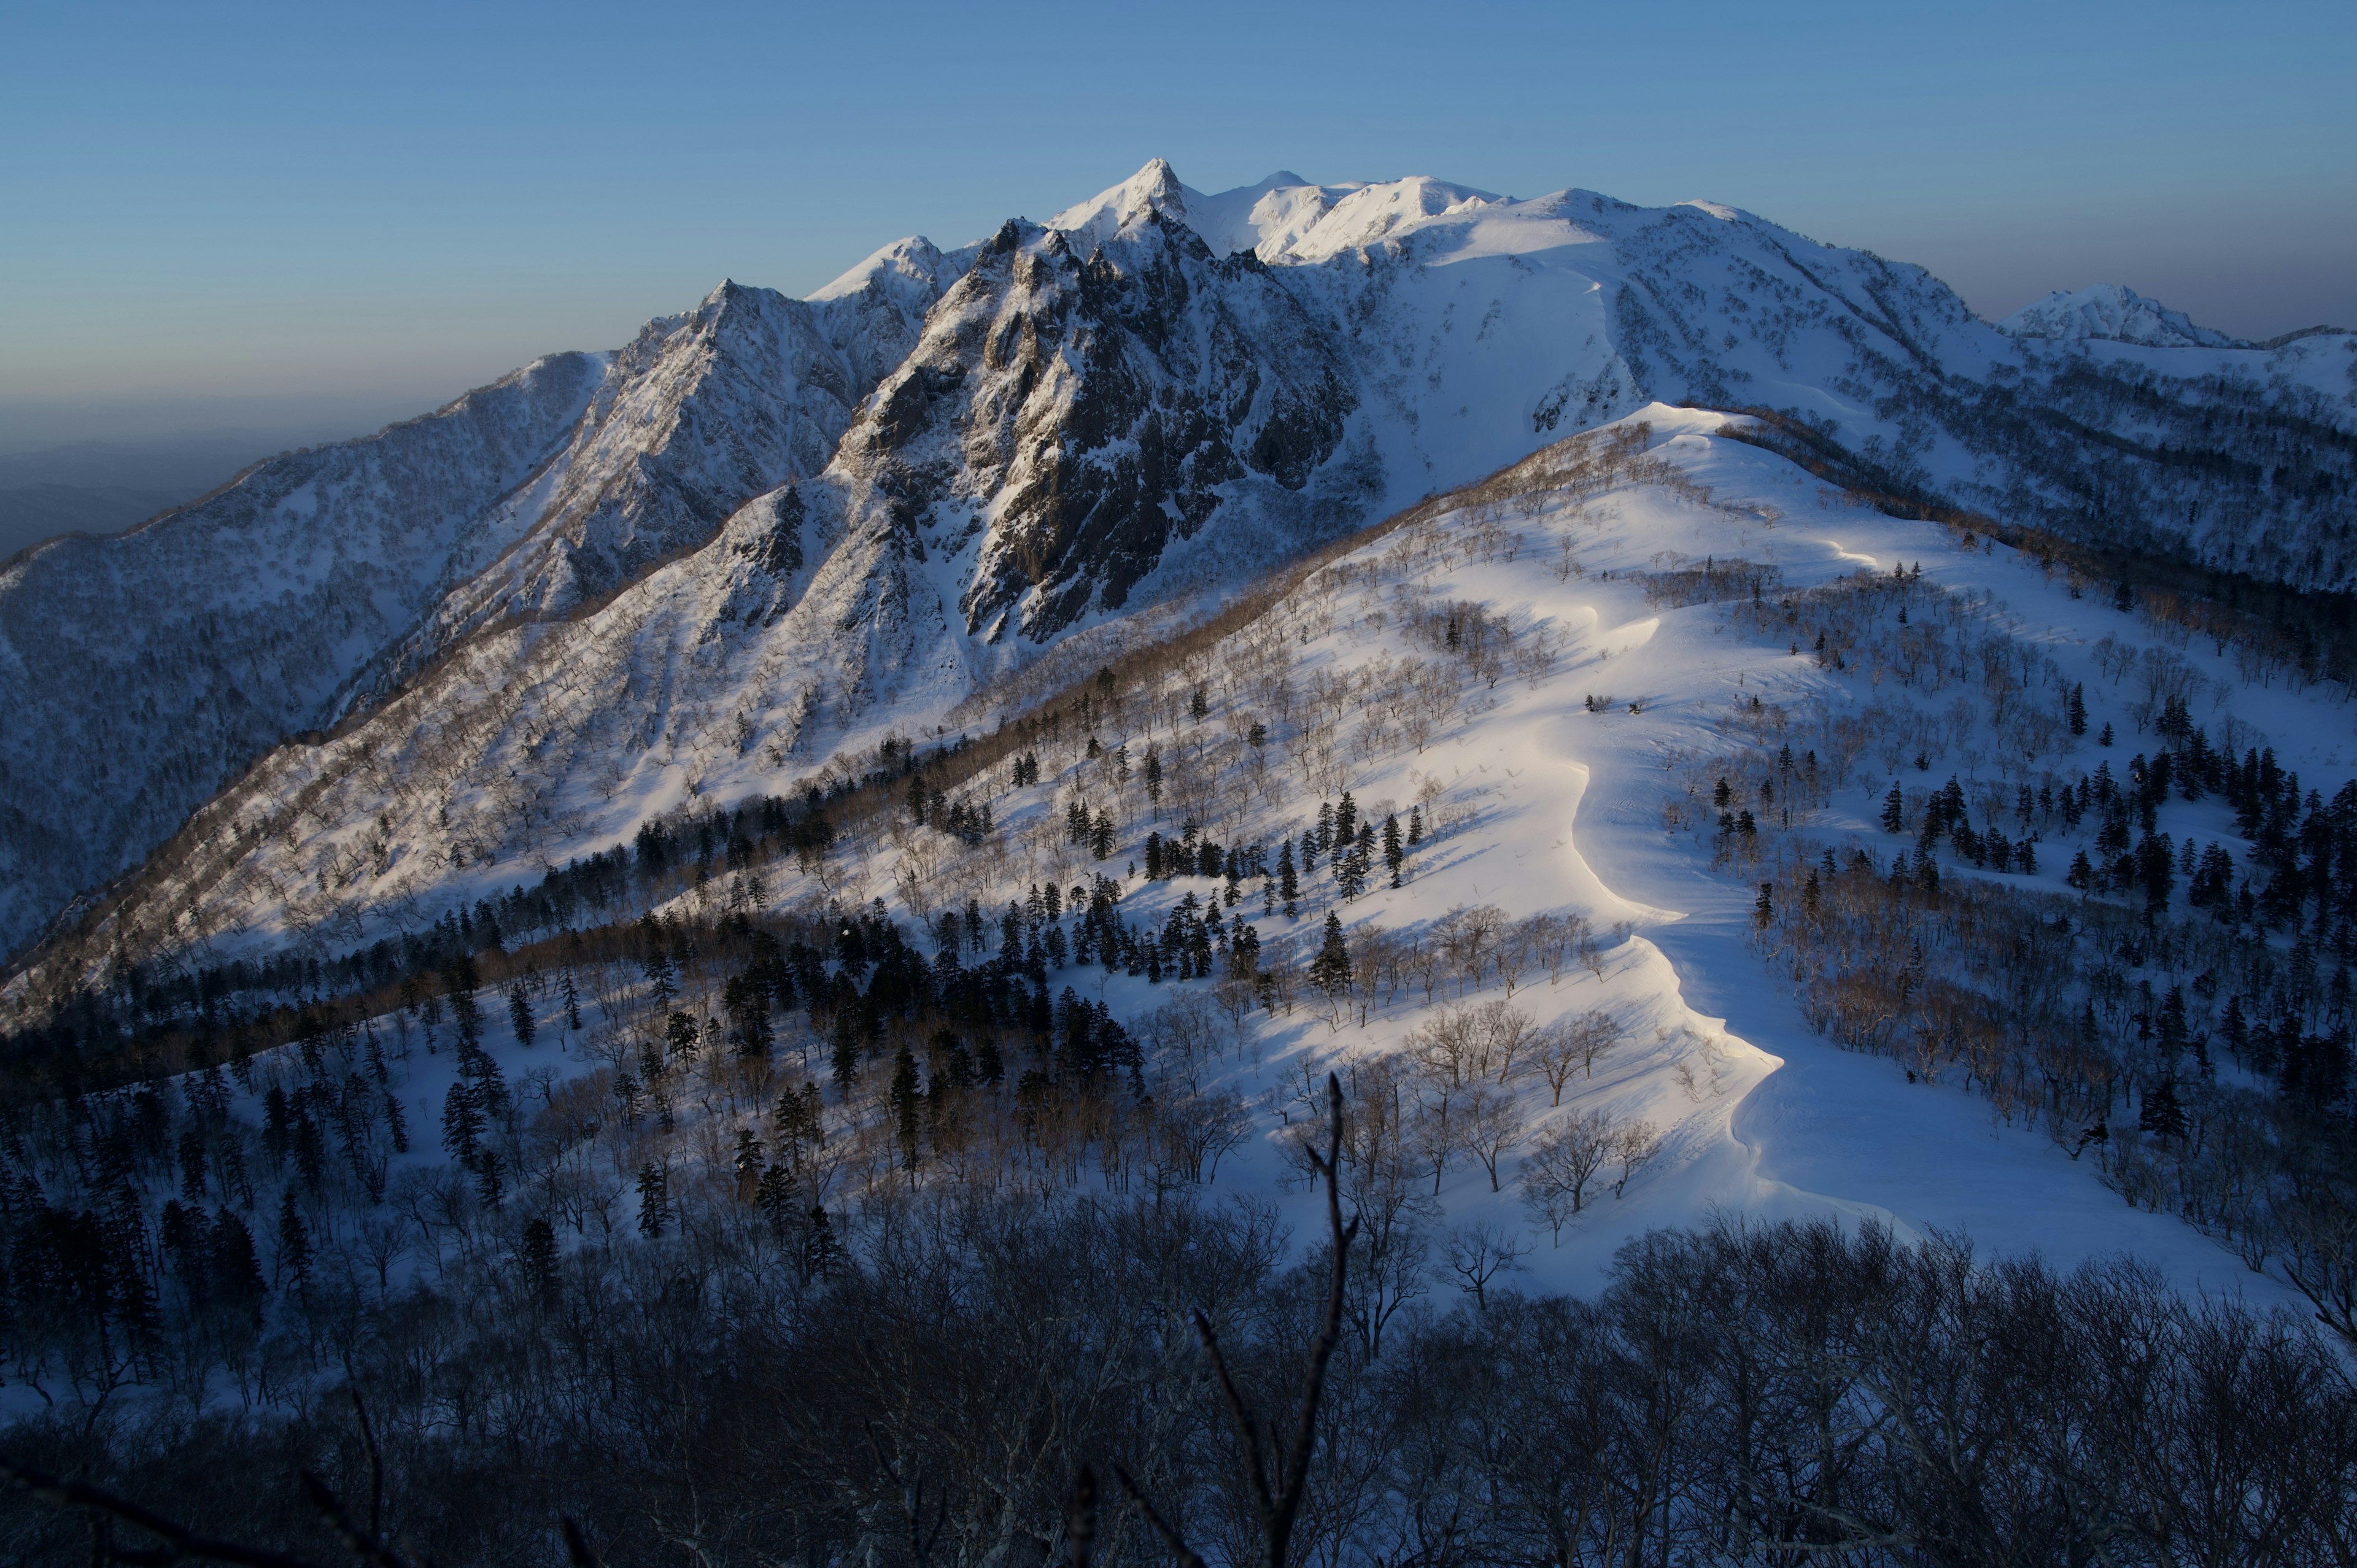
column 836, row 1175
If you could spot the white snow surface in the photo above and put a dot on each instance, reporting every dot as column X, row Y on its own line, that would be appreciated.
column 1558, row 808
column 968, row 457
column 2114, row 311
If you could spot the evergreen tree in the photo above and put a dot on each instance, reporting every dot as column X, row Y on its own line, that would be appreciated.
column 2163, row 1116
column 682, row 1035
column 519, row 1014
column 536, row 1257
column 906, row 1104
column 1763, row 908
column 294, row 1241
column 236, row 1267
column 1289, row 884
column 846, row 1058
column 572, row 998
column 654, row 1206
column 1894, row 809
column 1394, row 853
column 821, row 1251
column 2078, row 709
column 462, row 982
column 774, row 1197
column 1330, row 970
column 1346, row 821
column 462, row 1123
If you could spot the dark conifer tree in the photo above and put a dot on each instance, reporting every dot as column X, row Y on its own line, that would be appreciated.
column 845, row 1056
column 294, row 1241
column 1394, row 852
column 536, row 1257
column 519, row 1014
column 1289, row 884
column 654, row 1204
column 462, row 1123
column 396, row 1124
column 1330, row 970
column 906, row 1098
column 2162, row 1116
column 236, row 1267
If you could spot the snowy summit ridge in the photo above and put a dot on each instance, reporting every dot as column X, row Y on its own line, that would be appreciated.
column 2114, row 311
column 770, row 530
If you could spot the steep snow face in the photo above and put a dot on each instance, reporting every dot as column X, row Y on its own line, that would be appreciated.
column 1070, row 437
column 1075, row 425
column 963, row 456
column 142, row 672
column 1537, row 799
column 2114, row 311
column 1280, row 219
column 700, row 413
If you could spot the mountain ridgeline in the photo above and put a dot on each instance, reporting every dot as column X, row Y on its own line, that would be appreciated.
column 366, row 680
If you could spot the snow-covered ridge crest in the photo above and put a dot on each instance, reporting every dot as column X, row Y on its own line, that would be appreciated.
column 2114, row 311
column 971, row 455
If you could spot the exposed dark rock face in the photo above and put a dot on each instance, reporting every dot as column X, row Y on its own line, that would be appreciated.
column 946, row 455
column 1084, row 414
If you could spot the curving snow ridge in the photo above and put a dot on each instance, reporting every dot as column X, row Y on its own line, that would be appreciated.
column 946, row 461
column 1548, row 803
column 2114, row 311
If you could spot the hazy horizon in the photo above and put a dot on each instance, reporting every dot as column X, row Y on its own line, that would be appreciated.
column 303, row 225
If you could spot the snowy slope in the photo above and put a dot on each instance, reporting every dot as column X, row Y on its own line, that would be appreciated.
column 143, row 671
column 2115, row 311
column 947, row 461
column 1542, row 803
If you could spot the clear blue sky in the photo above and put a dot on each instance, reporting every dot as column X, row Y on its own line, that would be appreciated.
column 263, row 216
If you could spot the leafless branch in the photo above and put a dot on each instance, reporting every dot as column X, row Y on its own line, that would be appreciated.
column 180, row 1543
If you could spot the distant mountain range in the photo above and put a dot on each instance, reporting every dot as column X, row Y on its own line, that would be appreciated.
column 107, row 487
column 387, row 672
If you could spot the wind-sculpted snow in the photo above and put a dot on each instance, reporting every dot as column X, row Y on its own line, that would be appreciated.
column 775, row 527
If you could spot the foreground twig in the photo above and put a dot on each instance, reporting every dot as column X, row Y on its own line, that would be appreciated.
column 1277, row 1488
column 180, row 1543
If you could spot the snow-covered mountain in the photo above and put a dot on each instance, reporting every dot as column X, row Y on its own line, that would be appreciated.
column 770, row 526
column 2114, row 311
column 143, row 673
